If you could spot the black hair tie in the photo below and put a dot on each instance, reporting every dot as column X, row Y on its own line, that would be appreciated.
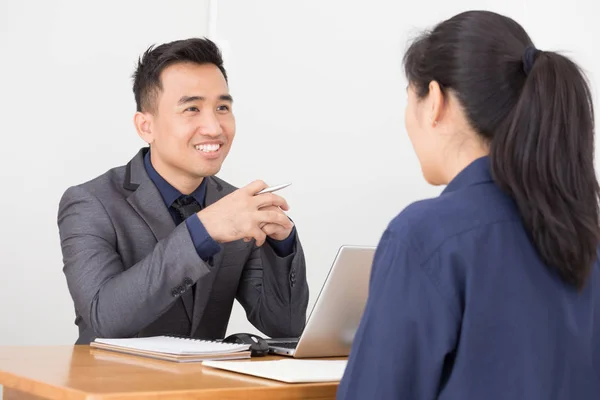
column 529, row 58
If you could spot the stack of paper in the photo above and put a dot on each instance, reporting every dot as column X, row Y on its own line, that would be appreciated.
column 291, row 371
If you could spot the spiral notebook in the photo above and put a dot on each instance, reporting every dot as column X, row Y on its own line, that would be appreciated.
column 171, row 348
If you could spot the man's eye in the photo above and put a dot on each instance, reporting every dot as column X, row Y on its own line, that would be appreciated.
column 194, row 109
column 223, row 108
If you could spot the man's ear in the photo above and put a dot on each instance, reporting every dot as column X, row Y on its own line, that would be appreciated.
column 143, row 125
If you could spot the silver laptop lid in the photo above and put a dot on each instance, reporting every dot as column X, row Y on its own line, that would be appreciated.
column 334, row 319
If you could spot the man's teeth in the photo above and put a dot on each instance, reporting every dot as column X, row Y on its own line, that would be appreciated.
column 208, row 148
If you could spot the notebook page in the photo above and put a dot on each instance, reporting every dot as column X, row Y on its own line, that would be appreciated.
column 291, row 371
column 174, row 345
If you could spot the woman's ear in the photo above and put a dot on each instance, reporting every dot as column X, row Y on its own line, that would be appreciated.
column 437, row 103
column 143, row 125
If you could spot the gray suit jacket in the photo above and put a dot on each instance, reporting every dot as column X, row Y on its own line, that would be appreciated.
column 130, row 270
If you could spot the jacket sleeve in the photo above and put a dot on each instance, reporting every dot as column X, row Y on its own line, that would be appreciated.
column 274, row 292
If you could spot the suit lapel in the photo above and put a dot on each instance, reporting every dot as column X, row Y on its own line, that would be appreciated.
column 214, row 192
column 148, row 203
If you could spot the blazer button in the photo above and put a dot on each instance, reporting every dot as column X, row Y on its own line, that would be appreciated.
column 175, row 292
column 181, row 289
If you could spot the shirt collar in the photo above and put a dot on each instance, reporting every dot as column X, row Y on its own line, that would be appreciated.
column 476, row 172
column 167, row 191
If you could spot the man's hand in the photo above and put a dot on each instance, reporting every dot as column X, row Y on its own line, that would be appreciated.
column 277, row 231
column 241, row 215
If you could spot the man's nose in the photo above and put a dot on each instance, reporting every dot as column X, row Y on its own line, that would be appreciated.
column 210, row 125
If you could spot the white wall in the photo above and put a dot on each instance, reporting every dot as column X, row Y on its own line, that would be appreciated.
column 319, row 101
column 66, row 107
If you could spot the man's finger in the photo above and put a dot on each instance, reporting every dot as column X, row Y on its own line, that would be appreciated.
column 273, row 217
column 270, row 229
column 270, row 199
column 259, row 236
column 272, row 208
column 254, row 187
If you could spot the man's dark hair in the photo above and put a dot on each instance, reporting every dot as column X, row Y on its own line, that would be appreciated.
column 146, row 79
column 534, row 108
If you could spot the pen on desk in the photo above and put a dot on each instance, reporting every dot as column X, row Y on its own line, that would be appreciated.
column 272, row 189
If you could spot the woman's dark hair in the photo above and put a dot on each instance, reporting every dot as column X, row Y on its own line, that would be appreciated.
column 146, row 78
column 534, row 109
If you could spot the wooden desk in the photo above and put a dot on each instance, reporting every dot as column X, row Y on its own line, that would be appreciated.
column 79, row 372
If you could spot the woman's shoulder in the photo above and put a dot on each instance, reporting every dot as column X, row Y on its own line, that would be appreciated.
column 428, row 223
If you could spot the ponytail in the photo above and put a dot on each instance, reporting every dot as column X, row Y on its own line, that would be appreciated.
column 534, row 109
column 545, row 160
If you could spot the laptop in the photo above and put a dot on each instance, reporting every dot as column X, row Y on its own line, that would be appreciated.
column 332, row 324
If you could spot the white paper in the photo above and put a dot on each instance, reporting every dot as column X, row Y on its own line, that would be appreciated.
column 289, row 370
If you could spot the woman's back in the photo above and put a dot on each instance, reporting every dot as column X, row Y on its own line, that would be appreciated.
column 487, row 319
column 524, row 332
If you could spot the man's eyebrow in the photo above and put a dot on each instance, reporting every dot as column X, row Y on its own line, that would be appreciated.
column 189, row 99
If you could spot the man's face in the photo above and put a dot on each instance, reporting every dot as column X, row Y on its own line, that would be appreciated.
column 193, row 126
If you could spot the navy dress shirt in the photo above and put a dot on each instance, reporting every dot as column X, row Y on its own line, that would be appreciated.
column 205, row 245
column 461, row 307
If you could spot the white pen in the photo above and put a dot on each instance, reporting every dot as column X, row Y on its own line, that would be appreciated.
column 271, row 189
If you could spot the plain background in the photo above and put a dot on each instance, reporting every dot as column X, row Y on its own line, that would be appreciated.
column 319, row 101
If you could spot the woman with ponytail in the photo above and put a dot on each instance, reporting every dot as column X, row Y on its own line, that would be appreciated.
column 491, row 290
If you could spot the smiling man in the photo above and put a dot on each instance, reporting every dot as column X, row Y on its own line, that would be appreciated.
column 161, row 246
